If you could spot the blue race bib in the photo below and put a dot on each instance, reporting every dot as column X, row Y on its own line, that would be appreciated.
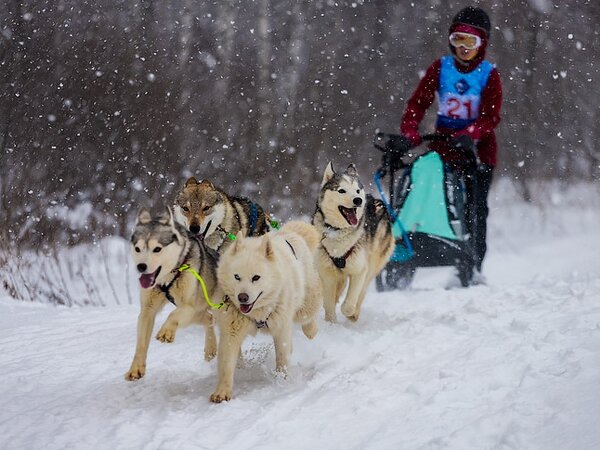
column 460, row 93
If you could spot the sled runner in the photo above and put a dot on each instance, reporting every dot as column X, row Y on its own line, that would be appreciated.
column 427, row 203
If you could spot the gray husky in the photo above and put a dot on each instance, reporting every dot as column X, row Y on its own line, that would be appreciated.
column 169, row 259
column 217, row 217
column 356, row 240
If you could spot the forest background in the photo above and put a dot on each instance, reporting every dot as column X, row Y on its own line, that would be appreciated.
column 108, row 105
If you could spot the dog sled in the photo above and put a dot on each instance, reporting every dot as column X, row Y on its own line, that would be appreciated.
column 427, row 204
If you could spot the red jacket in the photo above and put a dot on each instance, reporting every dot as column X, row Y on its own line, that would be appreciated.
column 482, row 130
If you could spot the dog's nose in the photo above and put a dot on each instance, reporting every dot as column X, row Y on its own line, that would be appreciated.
column 195, row 229
column 357, row 201
column 142, row 267
column 243, row 298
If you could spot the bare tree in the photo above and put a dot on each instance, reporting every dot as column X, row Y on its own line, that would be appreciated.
column 117, row 108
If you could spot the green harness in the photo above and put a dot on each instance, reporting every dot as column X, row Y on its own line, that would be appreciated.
column 188, row 268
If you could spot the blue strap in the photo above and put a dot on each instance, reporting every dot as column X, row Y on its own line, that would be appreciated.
column 395, row 218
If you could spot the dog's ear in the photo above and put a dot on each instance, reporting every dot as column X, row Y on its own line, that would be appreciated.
column 164, row 217
column 207, row 184
column 178, row 215
column 144, row 217
column 237, row 242
column 191, row 181
column 269, row 253
column 329, row 173
column 169, row 218
column 351, row 170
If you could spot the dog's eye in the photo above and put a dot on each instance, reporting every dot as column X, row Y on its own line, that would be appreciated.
column 255, row 278
column 206, row 208
column 237, row 277
column 342, row 191
column 137, row 250
column 157, row 249
column 358, row 191
column 185, row 208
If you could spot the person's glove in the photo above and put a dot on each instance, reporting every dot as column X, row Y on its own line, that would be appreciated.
column 398, row 145
column 463, row 142
column 395, row 148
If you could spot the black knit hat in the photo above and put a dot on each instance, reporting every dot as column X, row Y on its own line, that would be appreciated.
column 475, row 17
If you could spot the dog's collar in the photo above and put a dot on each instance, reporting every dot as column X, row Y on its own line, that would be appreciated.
column 331, row 227
column 225, row 233
column 263, row 323
column 224, row 236
column 259, row 323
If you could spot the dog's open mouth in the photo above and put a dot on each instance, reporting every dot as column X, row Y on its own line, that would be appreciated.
column 203, row 234
column 245, row 308
column 349, row 214
column 147, row 280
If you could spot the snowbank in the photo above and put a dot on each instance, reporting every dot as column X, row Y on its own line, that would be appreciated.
column 514, row 363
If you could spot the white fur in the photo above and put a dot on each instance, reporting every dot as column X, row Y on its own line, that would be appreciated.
column 277, row 271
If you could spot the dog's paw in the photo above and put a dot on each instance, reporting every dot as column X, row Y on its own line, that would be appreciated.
column 166, row 335
column 136, row 372
column 281, row 372
column 331, row 318
column 209, row 354
column 350, row 312
column 210, row 347
column 220, row 395
column 310, row 329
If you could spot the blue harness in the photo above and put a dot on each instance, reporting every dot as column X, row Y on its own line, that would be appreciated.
column 253, row 218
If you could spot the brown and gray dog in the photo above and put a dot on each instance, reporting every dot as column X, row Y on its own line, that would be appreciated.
column 215, row 217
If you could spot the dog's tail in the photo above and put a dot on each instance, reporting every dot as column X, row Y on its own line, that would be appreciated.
column 308, row 232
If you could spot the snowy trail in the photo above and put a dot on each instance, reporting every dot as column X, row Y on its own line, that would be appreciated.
column 514, row 364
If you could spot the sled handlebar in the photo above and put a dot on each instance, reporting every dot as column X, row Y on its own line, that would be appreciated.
column 436, row 137
column 382, row 140
column 396, row 146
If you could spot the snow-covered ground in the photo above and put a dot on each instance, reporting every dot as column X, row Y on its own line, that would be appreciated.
column 511, row 364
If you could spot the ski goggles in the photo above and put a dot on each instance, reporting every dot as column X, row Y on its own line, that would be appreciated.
column 466, row 40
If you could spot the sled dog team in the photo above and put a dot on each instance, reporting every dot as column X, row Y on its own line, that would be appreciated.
column 213, row 258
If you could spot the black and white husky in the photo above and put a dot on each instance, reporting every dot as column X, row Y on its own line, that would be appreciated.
column 168, row 258
column 356, row 240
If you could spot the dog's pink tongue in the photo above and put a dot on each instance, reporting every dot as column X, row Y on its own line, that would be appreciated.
column 246, row 308
column 349, row 214
column 352, row 219
column 147, row 280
